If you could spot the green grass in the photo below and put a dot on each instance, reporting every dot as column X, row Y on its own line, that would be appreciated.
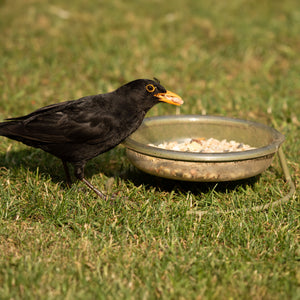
column 233, row 58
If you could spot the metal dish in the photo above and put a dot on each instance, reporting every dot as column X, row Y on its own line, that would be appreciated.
column 205, row 167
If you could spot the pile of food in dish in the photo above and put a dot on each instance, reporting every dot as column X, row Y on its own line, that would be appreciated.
column 203, row 145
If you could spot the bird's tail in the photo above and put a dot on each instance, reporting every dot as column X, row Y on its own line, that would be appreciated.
column 10, row 129
column 5, row 128
column 13, row 130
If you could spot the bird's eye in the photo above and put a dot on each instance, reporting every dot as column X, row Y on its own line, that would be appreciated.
column 150, row 88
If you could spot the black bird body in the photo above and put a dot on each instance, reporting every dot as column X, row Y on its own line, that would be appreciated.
column 78, row 130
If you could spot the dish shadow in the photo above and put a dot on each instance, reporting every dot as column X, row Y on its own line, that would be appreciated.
column 138, row 177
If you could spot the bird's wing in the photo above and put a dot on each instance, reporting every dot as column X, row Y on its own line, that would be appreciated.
column 68, row 122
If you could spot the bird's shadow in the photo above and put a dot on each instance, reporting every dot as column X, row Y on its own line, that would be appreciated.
column 48, row 165
column 34, row 160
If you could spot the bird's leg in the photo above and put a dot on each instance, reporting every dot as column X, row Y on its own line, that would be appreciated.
column 99, row 194
column 79, row 174
column 68, row 177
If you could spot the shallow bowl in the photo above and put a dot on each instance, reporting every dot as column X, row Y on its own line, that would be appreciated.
column 205, row 167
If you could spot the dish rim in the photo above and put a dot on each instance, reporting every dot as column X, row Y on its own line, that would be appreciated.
column 153, row 151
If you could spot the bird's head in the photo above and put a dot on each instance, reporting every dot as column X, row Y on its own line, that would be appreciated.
column 148, row 92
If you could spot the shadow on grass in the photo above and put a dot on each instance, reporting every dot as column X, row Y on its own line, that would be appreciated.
column 48, row 165
column 107, row 164
column 138, row 177
column 33, row 159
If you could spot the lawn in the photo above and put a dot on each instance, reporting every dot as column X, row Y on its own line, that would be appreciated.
column 234, row 58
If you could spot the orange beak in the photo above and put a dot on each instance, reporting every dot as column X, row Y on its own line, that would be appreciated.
column 169, row 97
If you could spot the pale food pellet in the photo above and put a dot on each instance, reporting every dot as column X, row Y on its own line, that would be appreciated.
column 203, row 145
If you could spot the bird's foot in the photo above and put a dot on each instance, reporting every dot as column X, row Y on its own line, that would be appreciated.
column 101, row 195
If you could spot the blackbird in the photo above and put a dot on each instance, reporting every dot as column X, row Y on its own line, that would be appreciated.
column 78, row 130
